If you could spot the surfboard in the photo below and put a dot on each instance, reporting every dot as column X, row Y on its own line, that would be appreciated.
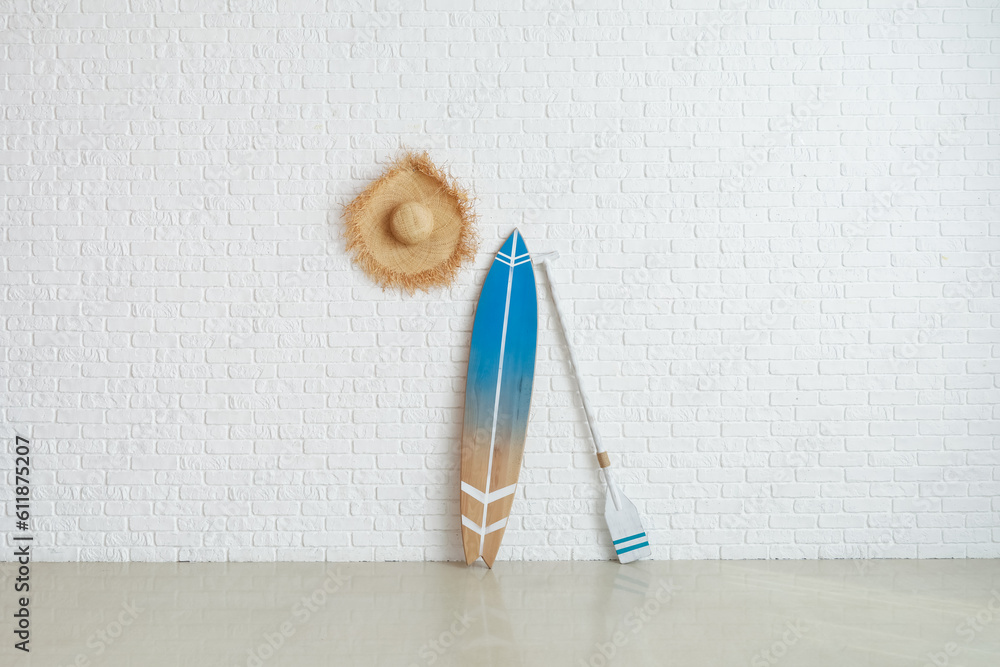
column 497, row 398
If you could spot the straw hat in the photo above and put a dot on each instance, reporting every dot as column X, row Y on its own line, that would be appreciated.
column 411, row 228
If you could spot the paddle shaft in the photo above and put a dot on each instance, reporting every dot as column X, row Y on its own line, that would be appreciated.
column 602, row 454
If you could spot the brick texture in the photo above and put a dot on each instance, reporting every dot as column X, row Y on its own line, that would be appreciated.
column 780, row 256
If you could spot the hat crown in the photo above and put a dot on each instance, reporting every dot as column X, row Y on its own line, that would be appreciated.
column 411, row 223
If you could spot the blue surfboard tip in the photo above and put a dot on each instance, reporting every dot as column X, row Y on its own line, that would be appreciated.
column 508, row 246
column 514, row 246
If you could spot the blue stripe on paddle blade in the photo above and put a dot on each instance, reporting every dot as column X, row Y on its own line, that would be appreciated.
column 633, row 548
column 629, row 539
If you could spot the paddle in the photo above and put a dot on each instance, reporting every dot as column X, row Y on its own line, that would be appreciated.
column 627, row 535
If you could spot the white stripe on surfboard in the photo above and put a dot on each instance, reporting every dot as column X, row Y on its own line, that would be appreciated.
column 497, row 525
column 495, row 495
column 496, row 399
column 517, row 261
column 476, row 528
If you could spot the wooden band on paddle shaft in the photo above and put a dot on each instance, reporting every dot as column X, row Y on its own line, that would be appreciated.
column 603, row 460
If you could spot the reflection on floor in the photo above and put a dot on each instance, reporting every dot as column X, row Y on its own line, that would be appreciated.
column 757, row 613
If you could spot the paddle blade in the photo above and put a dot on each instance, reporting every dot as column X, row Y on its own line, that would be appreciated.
column 626, row 530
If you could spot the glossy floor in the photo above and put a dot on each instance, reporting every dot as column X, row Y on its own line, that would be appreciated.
column 757, row 613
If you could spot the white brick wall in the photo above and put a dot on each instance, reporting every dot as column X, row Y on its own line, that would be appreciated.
column 780, row 222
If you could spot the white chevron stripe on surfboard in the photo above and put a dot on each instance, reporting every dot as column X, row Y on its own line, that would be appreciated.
column 517, row 261
column 494, row 495
column 476, row 528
